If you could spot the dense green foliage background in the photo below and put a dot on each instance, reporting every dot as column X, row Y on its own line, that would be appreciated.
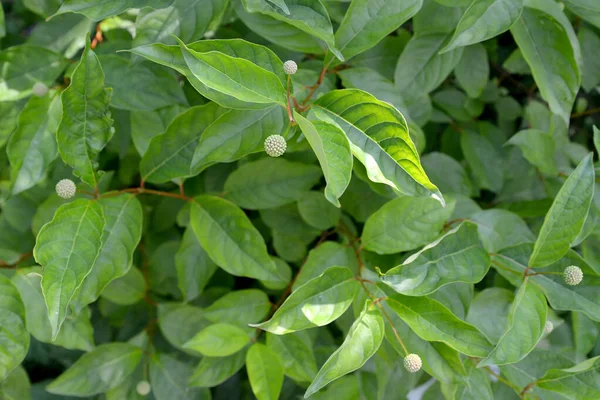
column 439, row 180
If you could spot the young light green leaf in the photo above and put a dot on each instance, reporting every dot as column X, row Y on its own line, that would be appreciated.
column 483, row 20
column 486, row 163
column 169, row 379
column 499, row 229
column 230, row 239
column 366, row 23
column 473, row 70
column 405, row 223
column 379, row 138
column 250, row 187
column 240, row 307
column 265, row 372
column 97, row 11
column 526, row 320
column 296, row 355
column 21, row 67
column 213, row 371
column 218, row 340
column 318, row 302
column 537, row 148
column 566, row 217
column 98, row 371
column 332, row 148
column 127, row 289
column 236, row 134
column 236, row 77
column 32, row 146
column 194, row 266
column 541, row 39
column 16, row 385
column 458, row 256
column 67, row 248
column 14, row 338
column 169, row 155
column 579, row 381
column 328, row 254
column 432, row 321
column 86, row 125
column 361, row 342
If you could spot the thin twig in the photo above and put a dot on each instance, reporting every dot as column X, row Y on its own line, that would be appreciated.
column 584, row 113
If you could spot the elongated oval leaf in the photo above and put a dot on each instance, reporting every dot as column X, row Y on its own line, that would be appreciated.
column 499, row 229
column 231, row 240
column 86, row 124
column 213, row 371
column 332, row 148
column 127, row 289
column 379, row 138
column 218, row 340
column 14, row 338
column 239, row 307
column 566, row 217
column 296, row 356
column 432, row 321
column 270, row 182
column 328, row 254
column 194, row 266
column 169, row 379
column 67, row 247
column 106, row 8
column 489, row 310
column 363, row 340
column 485, row 161
column 180, row 322
column 98, row 371
column 265, row 372
column 526, row 320
column 316, row 303
column 577, row 382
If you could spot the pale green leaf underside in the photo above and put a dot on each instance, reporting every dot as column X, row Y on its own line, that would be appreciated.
column 218, row 340
column 265, row 372
column 100, row 9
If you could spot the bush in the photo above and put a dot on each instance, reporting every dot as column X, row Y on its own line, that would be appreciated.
column 274, row 199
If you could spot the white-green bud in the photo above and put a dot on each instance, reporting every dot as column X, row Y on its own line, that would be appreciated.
column 143, row 388
column 275, row 145
column 412, row 363
column 573, row 275
column 39, row 89
column 66, row 188
column 290, row 67
column 548, row 327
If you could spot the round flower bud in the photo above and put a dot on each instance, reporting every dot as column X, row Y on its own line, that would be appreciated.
column 412, row 363
column 549, row 327
column 572, row 275
column 143, row 388
column 290, row 67
column 66, row 188
column 275, row 145
column 39, row 89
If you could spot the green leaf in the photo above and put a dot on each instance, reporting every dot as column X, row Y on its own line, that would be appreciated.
column 127, row 289
column 230, row 239
column 65, row 34
column 538, row 149
column 361, row 342
column 332, row 148
column 141, row 86
column 98, row 371
column 328, row 254
column 436, row 18
column 585, row 333
column 421, row 68
column 239, row 307
column 250, row 187
column 579, row 381
column 218, row 340
column 405, row 223
column 32, row 146
column 194, row 266
column 236, row 134
column 223, row 73
column 524, row 329
column 483, row 20
column 597, row 139
column 213, row 371
column 296, row 355
column 16, row 385
column 14, row 338
column 180, row 322
column 106, row 8
column 548, row 51
column 122, row 233
column 447, row 173
column 458, row 256
column 169, row 379
column 318, row 302
column 76, row 332
column 489, row 310
column 2, row 23
column 366, row 23
column 265, row 372
column 21, row 67
column 432, row 321
column 566, row 217
column 379, row 138
column 499, row 229
column 473, row 70
column 586, row 9
column 309, row 16
column 169, row 155
column 67, row 247
column 86, row 125
column 589, row 42
column 317, row 211
column 476, row 385
column 486, row 163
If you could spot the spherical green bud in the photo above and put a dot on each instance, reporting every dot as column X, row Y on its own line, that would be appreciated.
column 573, row 275
column 66, row 188
column 412, row 363
column 143, row 388
column 290, row 67
column 275, row 145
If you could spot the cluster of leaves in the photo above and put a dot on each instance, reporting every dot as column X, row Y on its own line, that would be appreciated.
column 437, row 182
